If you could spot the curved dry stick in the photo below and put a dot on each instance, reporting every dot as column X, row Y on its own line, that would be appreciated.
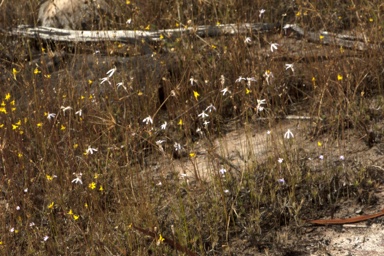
column 347, row 221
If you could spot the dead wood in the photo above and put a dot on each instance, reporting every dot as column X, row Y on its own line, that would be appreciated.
column 360, row 43
column 67, row 35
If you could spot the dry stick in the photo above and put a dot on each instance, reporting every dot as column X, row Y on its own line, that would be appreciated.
column 327, row 38
column 347, row 221
column 171, row 243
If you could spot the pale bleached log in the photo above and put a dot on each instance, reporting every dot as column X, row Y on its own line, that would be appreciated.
column 56, row 34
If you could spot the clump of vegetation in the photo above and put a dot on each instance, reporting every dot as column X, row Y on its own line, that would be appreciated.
column 91, row 133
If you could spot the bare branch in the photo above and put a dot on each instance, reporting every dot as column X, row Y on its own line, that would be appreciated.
column 56, row 34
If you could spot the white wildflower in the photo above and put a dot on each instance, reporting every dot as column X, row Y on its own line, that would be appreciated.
column 248, row 40
column 50, row 116
column 261, row 12
column 159, row 142
column 222, row 80
column 225, row 90
column 78, row 178
column 259, row 105
column 177, row 146
column 148, row 120
column 238, row 80
column 289, row 66
column 111, row 72
column 210, row 108
column 122, row 85
column 90, row 150
column 203, row 115
column 105, row 79
column 164, row 125
column 288, row 134
column 268, row 74
column 192, row 80
column 274, row 46
column 65, row 108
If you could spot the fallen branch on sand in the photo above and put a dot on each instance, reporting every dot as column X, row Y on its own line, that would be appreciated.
column 346, row 221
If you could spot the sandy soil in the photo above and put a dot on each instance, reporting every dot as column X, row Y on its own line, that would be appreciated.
column 234, row 151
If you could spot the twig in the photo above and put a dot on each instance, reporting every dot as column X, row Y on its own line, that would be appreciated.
column 347, row 221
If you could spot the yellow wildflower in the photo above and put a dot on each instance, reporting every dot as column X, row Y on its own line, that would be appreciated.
column 50, row 206
column 92, row 185
column 14, row 72
column 36, row 71
column 196, row 94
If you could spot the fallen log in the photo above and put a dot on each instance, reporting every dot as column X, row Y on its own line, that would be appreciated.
column 56, row 34
column 327, row 38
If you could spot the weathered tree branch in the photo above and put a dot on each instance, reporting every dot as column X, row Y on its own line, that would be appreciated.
column 327, row 38
column 132, row 35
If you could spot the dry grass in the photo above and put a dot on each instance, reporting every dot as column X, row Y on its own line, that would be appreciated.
column 115, row 154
